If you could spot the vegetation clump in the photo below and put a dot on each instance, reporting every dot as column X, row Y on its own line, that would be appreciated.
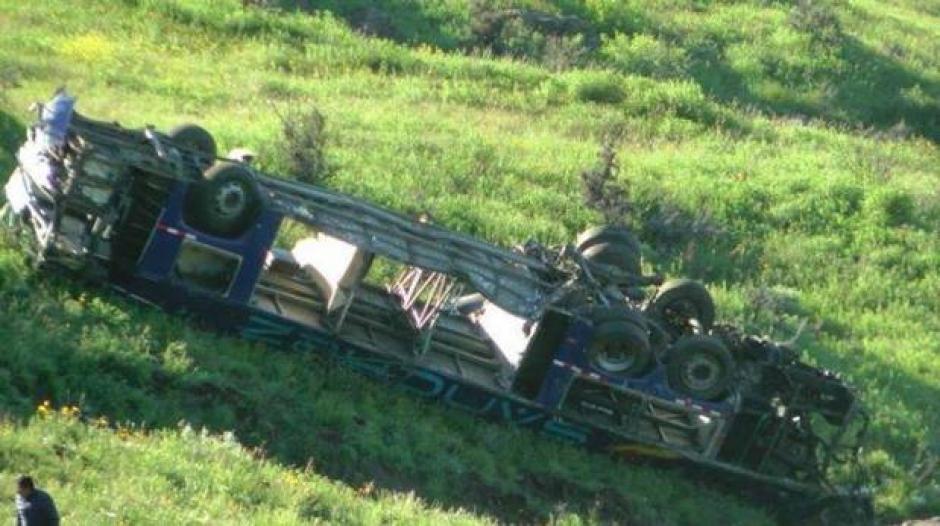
column 558, row 41
column 601, row 190
column 601, row 89
column 817, row 18
column 304, row 144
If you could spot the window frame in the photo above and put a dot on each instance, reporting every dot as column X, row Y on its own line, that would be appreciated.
column 178, row 277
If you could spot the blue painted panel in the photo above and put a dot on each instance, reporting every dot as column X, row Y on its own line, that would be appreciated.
column 160, row 255
column 558, row 378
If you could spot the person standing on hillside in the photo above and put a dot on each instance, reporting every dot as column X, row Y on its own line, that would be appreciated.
column 34, row 507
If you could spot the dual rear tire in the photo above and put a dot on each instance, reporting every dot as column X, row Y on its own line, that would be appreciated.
column 197, row 141
column 700, row 367
column 610, row 245
column 228, row 200
column 682, row 307
column 620, row 343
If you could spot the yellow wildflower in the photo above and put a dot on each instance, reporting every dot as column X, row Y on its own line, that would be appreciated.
column 90, row 47
column 70, row 411
column 44, row 409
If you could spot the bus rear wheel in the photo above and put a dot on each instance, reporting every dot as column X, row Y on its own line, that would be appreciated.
column 226, row 203
column 196, row 139
column 620, row 343
column 700, row 367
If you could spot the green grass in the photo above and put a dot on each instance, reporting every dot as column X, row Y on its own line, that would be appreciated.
column 803, row 150
column 188, row 476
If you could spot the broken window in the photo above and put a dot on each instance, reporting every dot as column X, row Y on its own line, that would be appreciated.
column 206, row 268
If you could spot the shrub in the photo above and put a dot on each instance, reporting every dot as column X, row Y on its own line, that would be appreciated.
column 684, row 99
column 604, row 89
column 388, row 58
column 557, row 41
column 644, row 55
column 890, row 207
column 600, row 191
column 375, row 22
column 517, row 39
column 564, row 52
column 304, row 136
column 817, row 18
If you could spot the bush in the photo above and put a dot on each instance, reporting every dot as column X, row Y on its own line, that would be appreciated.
column 517, row 39
column 684, row 99
column 644, row 55
column 375, row 22
column 557, row 41
column 817, row 18
column 304, row 136
column 890, row 207
column 604, row 89
column 564, row 52
column 387, row 58
column 600, row 191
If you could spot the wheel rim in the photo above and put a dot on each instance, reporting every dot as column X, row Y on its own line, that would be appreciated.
column 702, row 372
column 230, row 200
column 615, row 357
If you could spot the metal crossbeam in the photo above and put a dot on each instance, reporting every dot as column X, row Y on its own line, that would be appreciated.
column 513, row 281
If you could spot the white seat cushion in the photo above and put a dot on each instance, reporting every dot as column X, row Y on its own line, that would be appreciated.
column 333, row 264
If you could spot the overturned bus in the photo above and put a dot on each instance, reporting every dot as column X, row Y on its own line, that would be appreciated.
column 572, row 341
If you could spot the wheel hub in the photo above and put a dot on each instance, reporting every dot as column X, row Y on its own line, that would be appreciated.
column 230, row 200
column 615, row 358
column 701, row 372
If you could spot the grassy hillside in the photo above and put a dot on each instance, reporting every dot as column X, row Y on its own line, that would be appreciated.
column 783, row 152
column 186, row 476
